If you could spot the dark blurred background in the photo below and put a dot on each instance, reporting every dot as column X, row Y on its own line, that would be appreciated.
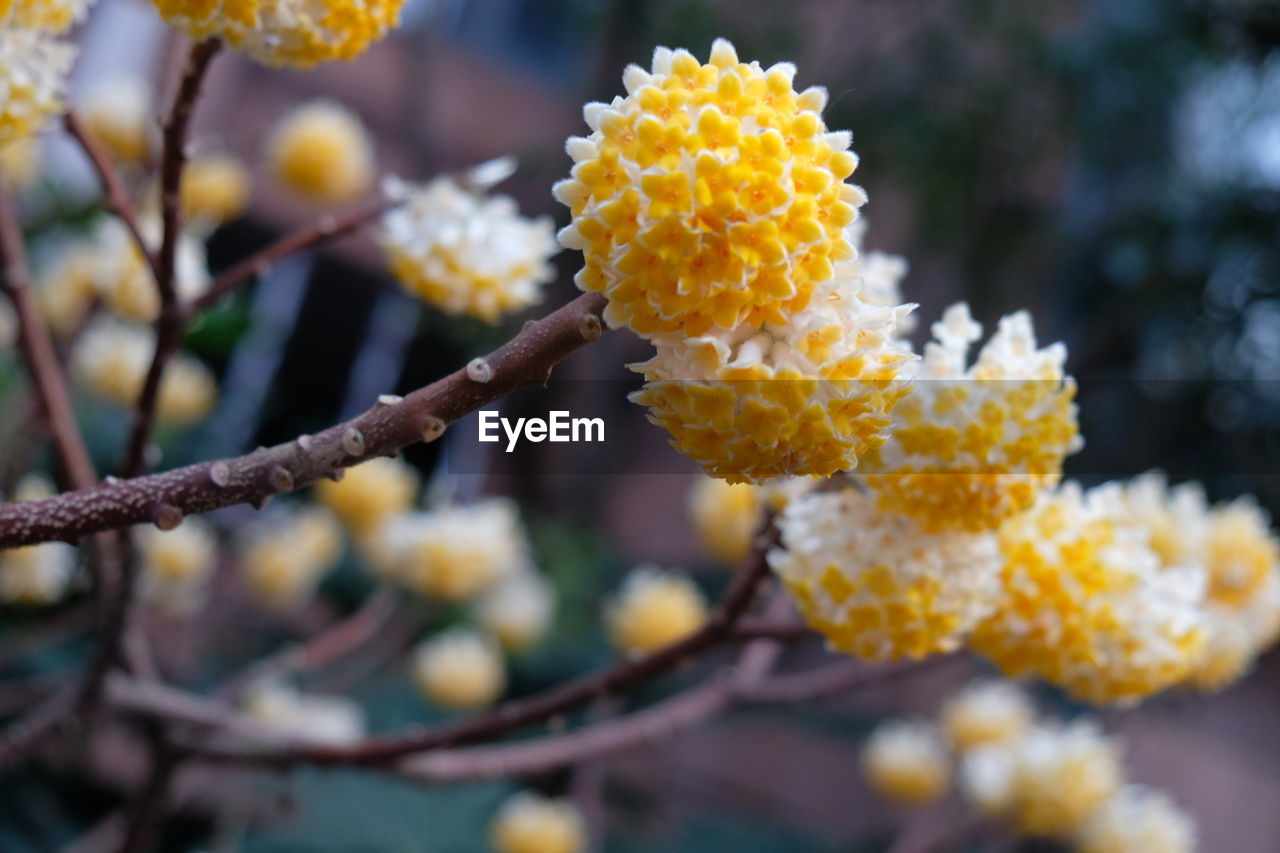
column 1112, row 166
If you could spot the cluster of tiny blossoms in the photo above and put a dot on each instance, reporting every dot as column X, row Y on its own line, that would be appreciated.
column 463, row 252
column 322, row 152
column 711, row 208
column 284, row 556
column 653, row 609
column 531, row 823
column 34, row 62
column 292, row 33
column 1045, row 778
column 37, row 575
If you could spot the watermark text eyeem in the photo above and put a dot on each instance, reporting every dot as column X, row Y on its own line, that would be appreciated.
column 559, row 426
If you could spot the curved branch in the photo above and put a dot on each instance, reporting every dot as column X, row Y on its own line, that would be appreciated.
column 392, row 424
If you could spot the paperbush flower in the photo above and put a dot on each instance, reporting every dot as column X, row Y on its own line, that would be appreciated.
column 123, row 277
column 177, row 564
column 36, row 574
column 111, row 359
column 302, row 716
column 725, row 517
column 33, row 76
column 215, row 189
column 460, row 669
column 876, row 585
column 369, row 493
column 987, row 712
column 68, row 286
column 19, row 163
column 466, row 253
column 454, row 552
column 54, row 16
column 1138, row 819
column 807, row 397
column 322, row 152
column 293, row 33
column 653, row 609
column 879, row 274
column 974, row 444
column 120, row 113
column 529, row 823
column 1048, row 782
column 1086, row 604
column 710, row 196
column 285, row 556
column 518, row 609
column 907, row 761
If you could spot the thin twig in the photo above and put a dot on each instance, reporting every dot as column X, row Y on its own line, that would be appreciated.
column 113, row 187
column 390, row 425
column 326, row 229
column 170, row 321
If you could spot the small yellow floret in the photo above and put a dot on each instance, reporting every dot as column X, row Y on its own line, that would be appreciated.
column 529, row 823
column 285, row 556
column 725, row 516
column 987, row 712
column 654, row 609
column 518, row 609
column 906, row 761
column 460, row 669
column 369, row 493
column 215, row 189
column 120, row 114
column 322, row 152
column 1139, row 820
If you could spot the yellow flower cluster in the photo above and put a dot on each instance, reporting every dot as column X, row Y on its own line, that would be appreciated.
column 907, row 761
column 306, row 717
column 460, row 669
column 177, row 564
column 1240, row 555
column 725, row 517
column 712, row 212
column 1139, row 819
column 292, row 33
column 19, row 163
column 986, row 712
column 1085, row 604
column 120, row 113
column 711, row 195
column 285, row 556
column 974, row 444
column 529, row 823
column 653, row 609
column 33, row 75
column 215, row 190
column 466, row 253
column 123, row 277
column 55, row 16
column 369, row 494
column 111, row 359
column 321, row 151
column 875, row 584
column 518, row 609
column 455, row 552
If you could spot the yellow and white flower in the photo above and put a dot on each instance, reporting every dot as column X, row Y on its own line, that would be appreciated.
column 653, row 609
column 518, row 609
column 369, row 494
column 907, row 761
column 33, row 78
column 460, row 669
column 530, row 823
column 285, row 556
column 321, row 151
column 1138, row 819
column 875, row 584
column 120, row 113
column 306, row 717
column 177, row 564
column 987, row 712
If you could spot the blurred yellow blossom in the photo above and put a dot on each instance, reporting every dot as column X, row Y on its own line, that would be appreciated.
column 460, row 669
column 518, row 609
column 907, row 761
column 322, row 152
column 176, row 564
column 653, row 609
column 987, row 712
column 725, row 517
column 306, row 717
column 215, row 189
column 19, row 163
column 285, row 556
column 1138, row 820
column 369, row 493
column 529, row 823
column 120, row 113
column 33, row 78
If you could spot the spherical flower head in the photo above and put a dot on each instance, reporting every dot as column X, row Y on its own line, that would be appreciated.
column 653, row 609
column 974, row 444
column 1138, row 818
column 54, row 16
column 460, row 669
column 1242, row 554
column 322, row 152
column 120, row 113
column 111, row 359
column 1086, row 604
column 285, row 556
column 369, row 493
column 518, row 609
column 287, row 33
column 306, row 717
column 19, row 164
column 466, row 253
column 215, row 189
column 123, row 277
column 453, row 552
column 37, row 574
column 876, row 585
column 711, row 195
column 33, row 77
column 807, row 397
column 68, row 286
column 725, row 516
column 906, row 761
column 987, row 712
column 1062, row 774
column 530, row 823
column 177, row 564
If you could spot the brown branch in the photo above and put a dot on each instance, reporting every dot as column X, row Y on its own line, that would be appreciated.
column 117, row 196
column 392, row 424
column 171, row 321
column 765, row 629
column 38, row 353
column 326, row 229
